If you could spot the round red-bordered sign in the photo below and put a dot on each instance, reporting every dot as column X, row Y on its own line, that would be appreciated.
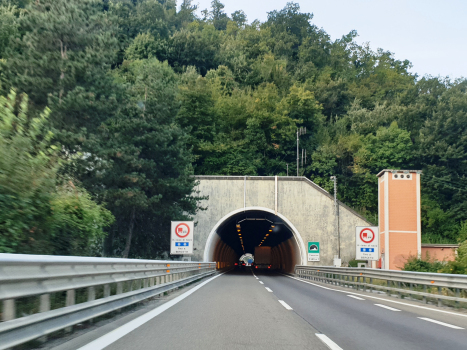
column 179, row 233
column 365, row 238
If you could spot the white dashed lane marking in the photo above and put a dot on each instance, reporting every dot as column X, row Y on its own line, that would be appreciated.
column 268, row 289
column 353, row 296
column 284, row 304
column 440, row 323
column 325, row 339
column 387, row 307
column 261, row 282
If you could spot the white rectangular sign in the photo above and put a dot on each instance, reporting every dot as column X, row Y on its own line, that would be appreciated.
column 367, row 242
column 181, row 237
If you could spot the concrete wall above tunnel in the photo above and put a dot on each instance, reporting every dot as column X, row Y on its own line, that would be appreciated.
column 306, row 208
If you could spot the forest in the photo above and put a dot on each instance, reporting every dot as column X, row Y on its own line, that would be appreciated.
column 108, row 107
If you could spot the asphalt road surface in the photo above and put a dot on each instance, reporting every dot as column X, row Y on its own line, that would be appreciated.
column 246, row 310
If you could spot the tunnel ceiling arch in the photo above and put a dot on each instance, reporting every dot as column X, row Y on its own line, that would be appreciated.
column 254, row 226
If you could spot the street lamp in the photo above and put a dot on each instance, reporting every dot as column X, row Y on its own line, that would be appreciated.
column 336, row 207
column 300, row 132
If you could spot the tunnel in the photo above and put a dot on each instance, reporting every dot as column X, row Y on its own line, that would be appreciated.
column 240, row 232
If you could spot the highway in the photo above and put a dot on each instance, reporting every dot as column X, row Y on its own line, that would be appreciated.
column 246, row 310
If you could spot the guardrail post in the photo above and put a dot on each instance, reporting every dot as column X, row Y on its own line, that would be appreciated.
column 119, row 287
column 70, row 297
column 364, row 282
column 70, row 300
column 371, row 285
column 44, row 303
column 106, row 290
column 440, row 301
column 151, row 282
column 9, row 310
column 424, row 291
column 399, row 294
column 145, row 283
column 389, row 286
column 458, row 294
column 91, row 293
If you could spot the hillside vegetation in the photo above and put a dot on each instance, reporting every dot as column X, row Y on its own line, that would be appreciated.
column 124, row 100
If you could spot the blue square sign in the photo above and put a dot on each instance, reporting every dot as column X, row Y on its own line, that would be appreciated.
column 182, row 244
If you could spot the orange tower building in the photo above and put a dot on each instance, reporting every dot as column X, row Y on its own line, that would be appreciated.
column 399, row 217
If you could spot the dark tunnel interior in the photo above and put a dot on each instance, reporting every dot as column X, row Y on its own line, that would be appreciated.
column 242, row 232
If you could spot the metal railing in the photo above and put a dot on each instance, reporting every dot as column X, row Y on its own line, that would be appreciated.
column 445, row 289
column 63, row 291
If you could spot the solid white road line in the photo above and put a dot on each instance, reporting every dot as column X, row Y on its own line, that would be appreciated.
column 268, row 289
column 116, row 334
column 376, row 298
column 387, row 307
column 284, row 304
column 439, row 322
column 353, row 296
column 325, row 339
column 261, row 282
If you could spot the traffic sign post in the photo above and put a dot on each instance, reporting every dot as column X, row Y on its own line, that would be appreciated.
column 181, row 237
column 367, row 243
column 313, row 251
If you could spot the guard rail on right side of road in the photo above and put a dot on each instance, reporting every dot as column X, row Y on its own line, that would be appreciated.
column 449, row 289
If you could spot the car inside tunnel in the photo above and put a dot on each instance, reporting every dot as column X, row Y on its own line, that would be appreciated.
column 242, row 232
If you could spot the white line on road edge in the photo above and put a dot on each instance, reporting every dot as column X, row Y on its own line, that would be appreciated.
column 116, row 334
column 376, row 298
column 261, row 282
column 268, row 289
column 284, row 304
column 387, row 307
column 441, row 323
column 325, row 339
column 353, row 296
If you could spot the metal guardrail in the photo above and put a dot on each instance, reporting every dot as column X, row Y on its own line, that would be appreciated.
column 450, row 288
column 118, row 282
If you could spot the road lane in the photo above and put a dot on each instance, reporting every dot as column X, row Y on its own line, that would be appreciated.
column 233, row 311
column 360, row 324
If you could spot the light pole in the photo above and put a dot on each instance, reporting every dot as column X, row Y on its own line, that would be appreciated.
column 300, row 132
column 336, row 207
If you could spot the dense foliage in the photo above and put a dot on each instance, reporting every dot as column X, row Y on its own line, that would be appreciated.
column 141, row 94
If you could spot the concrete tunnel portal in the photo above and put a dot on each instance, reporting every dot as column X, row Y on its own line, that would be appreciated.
column 226, row 245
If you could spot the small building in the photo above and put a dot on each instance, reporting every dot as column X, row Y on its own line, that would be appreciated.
column 439, row 252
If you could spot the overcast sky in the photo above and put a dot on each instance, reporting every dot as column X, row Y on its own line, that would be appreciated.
column 432, row 34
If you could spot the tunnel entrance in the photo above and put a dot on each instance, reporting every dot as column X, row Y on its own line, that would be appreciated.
column 239, row 232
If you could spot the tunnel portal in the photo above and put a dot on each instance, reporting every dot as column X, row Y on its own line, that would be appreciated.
column 303, row 211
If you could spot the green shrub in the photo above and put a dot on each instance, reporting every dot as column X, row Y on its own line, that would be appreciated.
column 423, row 265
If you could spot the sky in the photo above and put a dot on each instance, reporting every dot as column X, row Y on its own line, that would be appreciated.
column 432, row 34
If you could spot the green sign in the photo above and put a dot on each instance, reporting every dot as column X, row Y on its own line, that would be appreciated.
column 313, row 251
column 313, row 247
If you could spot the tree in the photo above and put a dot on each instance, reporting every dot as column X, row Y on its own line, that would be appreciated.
column 36, row 215
column 239, row 17
column 217, row 15
column 148, row 182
